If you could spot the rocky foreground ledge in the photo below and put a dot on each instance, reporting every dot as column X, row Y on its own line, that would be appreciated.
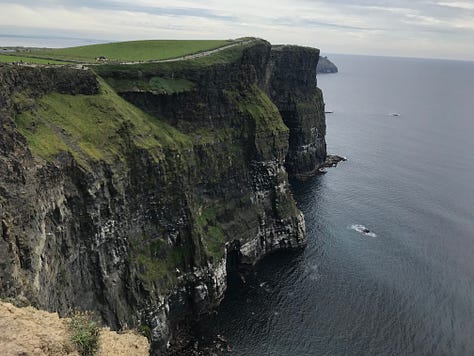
column 29, row 331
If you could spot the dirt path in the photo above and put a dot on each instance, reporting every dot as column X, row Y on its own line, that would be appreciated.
column 197, row 55
column 29, row 331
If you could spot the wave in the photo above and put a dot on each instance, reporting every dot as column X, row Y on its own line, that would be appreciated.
column 363, row 230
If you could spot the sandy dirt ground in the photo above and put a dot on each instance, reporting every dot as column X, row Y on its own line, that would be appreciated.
column 28, row 331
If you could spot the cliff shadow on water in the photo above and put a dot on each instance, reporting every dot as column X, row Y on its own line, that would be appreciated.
column 131, row 190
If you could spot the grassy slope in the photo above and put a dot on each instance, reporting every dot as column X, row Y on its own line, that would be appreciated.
column 93, row 127
column 212, row 234
column 12, row 58
column 154, row 84
column 259, row 106
column 131, row 51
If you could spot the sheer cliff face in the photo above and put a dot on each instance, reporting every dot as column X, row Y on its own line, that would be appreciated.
column 142, row 224
column 292, row 87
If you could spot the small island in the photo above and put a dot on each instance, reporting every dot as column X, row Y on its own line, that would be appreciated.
column 326, row 66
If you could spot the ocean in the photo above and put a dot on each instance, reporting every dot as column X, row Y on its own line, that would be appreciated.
column 407, row 286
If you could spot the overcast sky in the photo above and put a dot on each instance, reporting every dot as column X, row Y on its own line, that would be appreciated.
column 408, row 28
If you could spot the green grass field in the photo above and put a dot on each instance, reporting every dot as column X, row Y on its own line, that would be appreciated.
column 130, row 51
column 24, row 59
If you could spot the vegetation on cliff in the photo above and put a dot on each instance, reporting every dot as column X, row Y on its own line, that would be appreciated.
column 91, row 127
column 85, row 333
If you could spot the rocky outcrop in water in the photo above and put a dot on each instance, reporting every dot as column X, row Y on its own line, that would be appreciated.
column 189, row 182
column 326, row 66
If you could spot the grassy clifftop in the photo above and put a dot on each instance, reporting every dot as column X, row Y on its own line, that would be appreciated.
column 132, row 51
column 224, row 56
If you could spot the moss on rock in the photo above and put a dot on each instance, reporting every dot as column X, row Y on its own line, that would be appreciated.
column 93, row 127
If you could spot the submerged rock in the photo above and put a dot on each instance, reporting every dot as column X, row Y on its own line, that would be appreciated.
column 332, row 161
column 363, row 230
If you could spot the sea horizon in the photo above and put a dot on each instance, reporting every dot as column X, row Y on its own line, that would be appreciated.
column 64, row 42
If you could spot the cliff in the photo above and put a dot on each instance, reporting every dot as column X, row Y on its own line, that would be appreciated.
column 326, row 66
column 131, row 190
column 291, row 86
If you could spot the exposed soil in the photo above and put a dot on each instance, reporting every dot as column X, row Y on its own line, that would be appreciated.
column 29, row 331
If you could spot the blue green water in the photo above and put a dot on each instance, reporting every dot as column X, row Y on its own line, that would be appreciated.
column 410, row 180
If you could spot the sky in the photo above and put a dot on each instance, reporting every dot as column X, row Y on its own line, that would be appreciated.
column 405, row 28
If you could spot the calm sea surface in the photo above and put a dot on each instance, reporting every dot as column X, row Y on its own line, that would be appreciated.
column 408, row 287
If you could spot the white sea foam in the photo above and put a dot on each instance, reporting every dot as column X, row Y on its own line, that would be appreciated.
column 312, row 271
column 265, row 287
column 363, row 230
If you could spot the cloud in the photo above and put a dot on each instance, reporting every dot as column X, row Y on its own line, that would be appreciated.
column 354, row 26
column 458, row 4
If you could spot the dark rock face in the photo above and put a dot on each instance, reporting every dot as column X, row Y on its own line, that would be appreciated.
column 326, row 66
column 38, row 81
column 292, row 87
column 146, row 240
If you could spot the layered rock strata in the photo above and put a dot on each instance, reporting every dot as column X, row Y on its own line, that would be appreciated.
column 137, row 209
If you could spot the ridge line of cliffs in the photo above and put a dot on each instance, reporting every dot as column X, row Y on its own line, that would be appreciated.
column 133, row 190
